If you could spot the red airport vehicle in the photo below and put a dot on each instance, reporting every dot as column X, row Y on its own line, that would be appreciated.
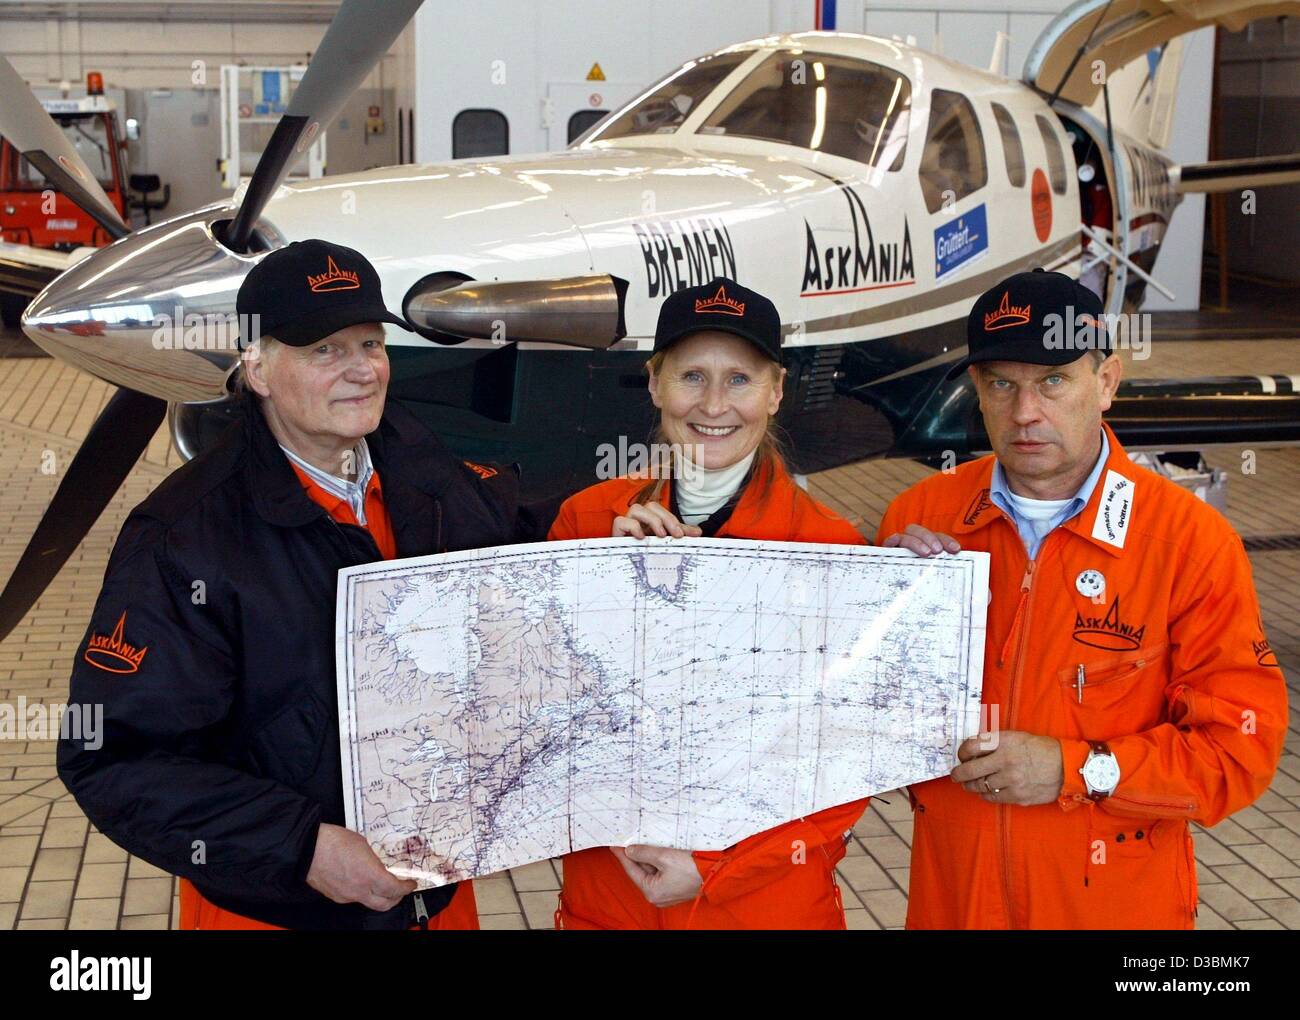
column 27, row 214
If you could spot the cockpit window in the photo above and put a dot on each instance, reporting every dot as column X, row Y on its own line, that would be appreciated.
column 668, row 104
column 850, row 108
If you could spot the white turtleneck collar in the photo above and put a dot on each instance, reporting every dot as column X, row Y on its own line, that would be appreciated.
column 701, row 492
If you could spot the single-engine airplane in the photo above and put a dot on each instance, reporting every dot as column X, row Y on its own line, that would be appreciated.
column 873, row 190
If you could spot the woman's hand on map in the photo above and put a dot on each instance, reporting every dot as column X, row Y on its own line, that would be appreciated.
column 652, row 519
column 665, row 877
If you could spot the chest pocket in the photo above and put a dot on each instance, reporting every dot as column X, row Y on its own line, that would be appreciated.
column 1118, row 694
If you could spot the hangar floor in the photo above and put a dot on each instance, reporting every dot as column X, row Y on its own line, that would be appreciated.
column 56, row 871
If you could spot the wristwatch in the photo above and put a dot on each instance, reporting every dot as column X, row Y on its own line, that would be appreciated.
column 1100, row 771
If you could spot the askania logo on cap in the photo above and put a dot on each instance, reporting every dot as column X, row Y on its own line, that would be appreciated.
column 334, row 278
column 114, row 654
column 720, row 303
column 1006, row 314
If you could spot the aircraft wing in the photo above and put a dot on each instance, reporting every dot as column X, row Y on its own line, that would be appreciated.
column 1167, row 413
column 1234, row 174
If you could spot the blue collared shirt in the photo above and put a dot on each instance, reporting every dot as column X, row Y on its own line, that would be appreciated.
column 1000, row 494
column 354, row 492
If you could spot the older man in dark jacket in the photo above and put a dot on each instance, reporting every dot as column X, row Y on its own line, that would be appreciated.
column 211, row 646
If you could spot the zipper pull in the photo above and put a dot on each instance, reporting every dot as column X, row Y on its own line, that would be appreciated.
column 1080, row 679
column 421, row 911
column 1029, row 575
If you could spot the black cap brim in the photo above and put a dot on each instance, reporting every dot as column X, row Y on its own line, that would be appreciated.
column 307, row 329
column 1013, row 351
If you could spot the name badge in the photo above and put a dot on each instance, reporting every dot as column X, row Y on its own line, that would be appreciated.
column 1115, row 509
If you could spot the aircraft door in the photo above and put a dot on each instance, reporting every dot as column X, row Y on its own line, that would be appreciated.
column 1105, row 202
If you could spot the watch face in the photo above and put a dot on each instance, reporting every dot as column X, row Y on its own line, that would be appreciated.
column 1101, row 772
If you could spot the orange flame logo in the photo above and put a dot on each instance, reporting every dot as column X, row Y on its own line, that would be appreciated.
column 114, row 654
column 1006, row 314
column 720, row 303
column 334, row 278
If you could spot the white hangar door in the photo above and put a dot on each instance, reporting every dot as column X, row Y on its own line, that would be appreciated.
column 573, row 107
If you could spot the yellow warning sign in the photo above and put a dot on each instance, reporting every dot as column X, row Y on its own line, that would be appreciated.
column 595, row 74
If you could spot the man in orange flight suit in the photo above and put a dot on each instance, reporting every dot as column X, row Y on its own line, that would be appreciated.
column 1133, row 687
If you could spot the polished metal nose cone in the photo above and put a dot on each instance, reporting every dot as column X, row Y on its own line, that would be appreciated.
column 154, row 311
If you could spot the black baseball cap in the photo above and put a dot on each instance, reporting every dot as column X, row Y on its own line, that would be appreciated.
column 720, row 304
column 1013, row 322
column 308, row 290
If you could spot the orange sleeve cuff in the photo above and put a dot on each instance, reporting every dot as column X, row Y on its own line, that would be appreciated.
column 1073, row 754
column 706, row 862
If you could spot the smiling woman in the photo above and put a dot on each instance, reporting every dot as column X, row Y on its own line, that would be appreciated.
column 717, row 396
column 717, row 379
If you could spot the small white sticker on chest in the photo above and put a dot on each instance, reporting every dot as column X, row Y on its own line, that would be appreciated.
column 1114, row 510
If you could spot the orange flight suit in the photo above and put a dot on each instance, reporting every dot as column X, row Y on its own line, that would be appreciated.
column 198, row 912
column 781, row 878
column 1178, row 680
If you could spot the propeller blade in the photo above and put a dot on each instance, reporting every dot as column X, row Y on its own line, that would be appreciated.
column 115, row 442
column 358, row 37
column 34, row 133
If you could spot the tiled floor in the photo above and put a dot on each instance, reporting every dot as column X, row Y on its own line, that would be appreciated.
column 56, row 872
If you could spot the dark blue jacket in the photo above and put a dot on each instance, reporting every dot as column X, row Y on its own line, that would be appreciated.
column 211, row 649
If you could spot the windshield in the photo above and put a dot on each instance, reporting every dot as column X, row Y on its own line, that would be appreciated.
column 844, row 106
column 88, row 135
column 668, row 104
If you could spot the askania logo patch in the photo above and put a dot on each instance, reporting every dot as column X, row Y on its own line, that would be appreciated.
column 113, row 653
column 1115, row 509
column 1110, row 632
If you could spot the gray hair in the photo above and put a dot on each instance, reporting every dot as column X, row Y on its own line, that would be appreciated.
column 262, row 347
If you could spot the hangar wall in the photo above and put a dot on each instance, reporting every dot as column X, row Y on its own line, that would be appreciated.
column 165, row 72
column 160, row 52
